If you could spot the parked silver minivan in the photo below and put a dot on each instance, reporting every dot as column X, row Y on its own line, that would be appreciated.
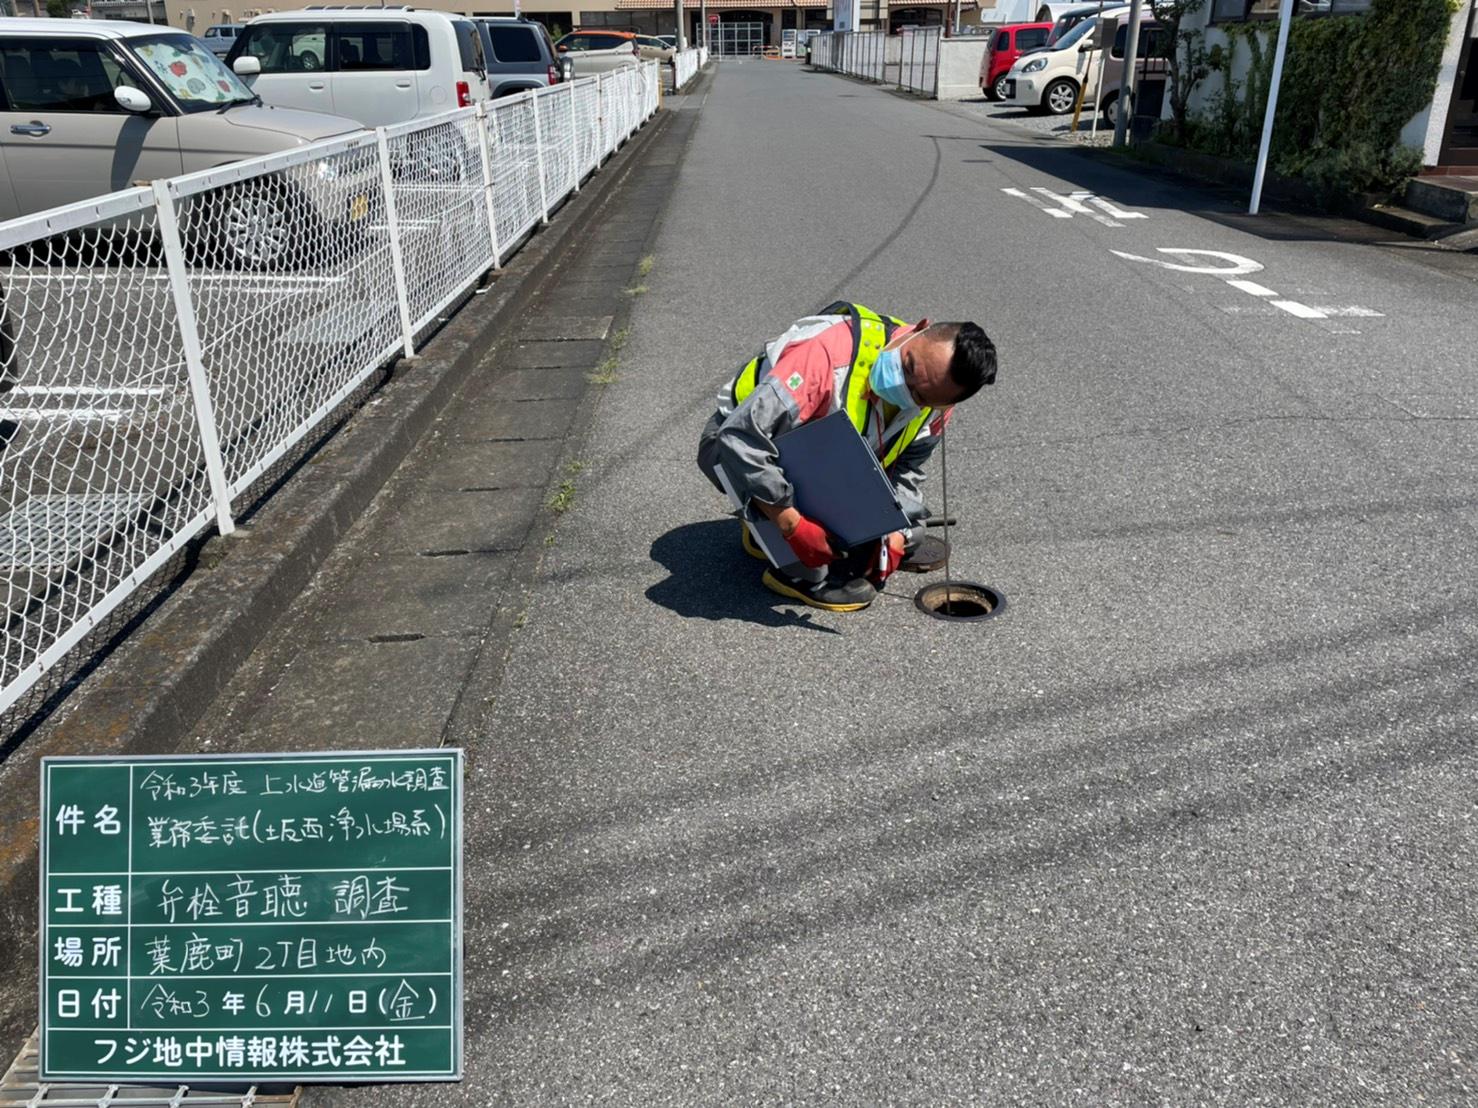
column 89, row 107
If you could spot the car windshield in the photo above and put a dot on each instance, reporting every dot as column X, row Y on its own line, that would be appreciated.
column 193, row 75
column 1077, row 34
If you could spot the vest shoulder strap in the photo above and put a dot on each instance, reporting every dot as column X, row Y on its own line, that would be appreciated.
column 871, row 331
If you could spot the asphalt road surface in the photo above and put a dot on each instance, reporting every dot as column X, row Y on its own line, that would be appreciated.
column 1192, row 821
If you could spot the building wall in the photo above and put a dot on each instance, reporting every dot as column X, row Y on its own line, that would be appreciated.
column 1430, row 126
column 196, row 15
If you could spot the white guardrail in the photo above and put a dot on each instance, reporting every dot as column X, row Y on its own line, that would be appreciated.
column 162, row 347
column 686, row 64
column 867, row 54
column 853, row 53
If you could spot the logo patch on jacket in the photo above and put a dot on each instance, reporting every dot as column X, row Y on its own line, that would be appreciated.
column 794, row 382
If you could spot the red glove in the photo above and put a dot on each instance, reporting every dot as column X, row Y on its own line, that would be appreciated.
column 809, row 542
column 881, row 570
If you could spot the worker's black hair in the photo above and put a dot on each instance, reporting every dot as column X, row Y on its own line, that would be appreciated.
column 973, row 364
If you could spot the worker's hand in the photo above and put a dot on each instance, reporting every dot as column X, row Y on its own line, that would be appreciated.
column 888, row 559
column 808, row 540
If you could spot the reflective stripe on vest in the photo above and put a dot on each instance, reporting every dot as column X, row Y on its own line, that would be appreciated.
column 870, row 333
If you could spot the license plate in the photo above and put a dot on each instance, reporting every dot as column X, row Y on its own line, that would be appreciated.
column 358, row 208
column 1010, row 90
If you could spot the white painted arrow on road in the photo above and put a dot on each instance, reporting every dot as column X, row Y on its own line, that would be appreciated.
column 1075, row 203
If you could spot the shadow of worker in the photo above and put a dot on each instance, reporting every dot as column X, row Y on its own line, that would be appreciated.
column 711, row 577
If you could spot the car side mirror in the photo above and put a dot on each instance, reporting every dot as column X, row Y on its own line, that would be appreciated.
column 562, row 49
column 133, row 100
column 247, row 66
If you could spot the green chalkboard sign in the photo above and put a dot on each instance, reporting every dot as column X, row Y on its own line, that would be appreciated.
column 288, row 917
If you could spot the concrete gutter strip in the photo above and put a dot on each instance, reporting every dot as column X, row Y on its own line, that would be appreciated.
column 151, row 691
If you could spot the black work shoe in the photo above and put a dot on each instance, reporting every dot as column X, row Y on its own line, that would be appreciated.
column 928, row 556
column 832, row 594
column 751, row 547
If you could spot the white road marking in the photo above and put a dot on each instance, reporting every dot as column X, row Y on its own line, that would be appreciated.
column 1056, row 213
column 1353, row 310
column 87, row 390
column 1293, row 308
column 106, row 415
column 1303, row 311
column 1231, row 271
column 1236, row 264
column 224, row 278
column 1252, row 287
column 1116, row 212
column 1074, row 203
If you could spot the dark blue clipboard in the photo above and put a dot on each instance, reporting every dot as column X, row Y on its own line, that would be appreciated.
column 838, row 482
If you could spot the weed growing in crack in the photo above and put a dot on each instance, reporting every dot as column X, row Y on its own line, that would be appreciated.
column 563, row 498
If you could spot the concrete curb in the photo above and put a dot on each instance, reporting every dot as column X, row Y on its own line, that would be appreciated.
column 151, row 691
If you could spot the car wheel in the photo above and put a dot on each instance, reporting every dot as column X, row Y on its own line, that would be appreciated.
column 262, row 225
column 999, row 88
column 443, row 160
column 1060, row 97
column 1111, row 110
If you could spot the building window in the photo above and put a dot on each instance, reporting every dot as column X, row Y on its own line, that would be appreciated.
column 1240, row 11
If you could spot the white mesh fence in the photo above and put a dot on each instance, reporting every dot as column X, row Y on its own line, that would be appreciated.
column 918, row 61
column 853, row 53
column 161, row 348
column 685, row 66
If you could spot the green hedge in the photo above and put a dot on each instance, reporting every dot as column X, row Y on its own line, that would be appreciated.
column 1350, row 84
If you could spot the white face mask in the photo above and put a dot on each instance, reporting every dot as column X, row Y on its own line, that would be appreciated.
column 887, row 379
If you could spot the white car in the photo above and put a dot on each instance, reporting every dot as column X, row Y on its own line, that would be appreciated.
column 1051, row 80
column 220, row 37
column 375, row 65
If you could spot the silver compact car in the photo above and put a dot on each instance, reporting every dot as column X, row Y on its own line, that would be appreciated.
column 89, row 107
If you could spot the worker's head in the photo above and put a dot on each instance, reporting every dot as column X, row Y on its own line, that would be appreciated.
column 944, row 363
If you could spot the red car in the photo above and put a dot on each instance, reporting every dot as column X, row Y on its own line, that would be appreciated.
column 1008, row 44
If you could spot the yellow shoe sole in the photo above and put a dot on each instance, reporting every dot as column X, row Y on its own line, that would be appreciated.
column 774, row 584
column 747, row 541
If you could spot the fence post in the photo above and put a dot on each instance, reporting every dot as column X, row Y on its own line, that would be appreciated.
column 574, row 141
column 938, row 55
column 486, row 154
column 397, row 258
column 184, row 309
column 600, row 120
column 539, row 154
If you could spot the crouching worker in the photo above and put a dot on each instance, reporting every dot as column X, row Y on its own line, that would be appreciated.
column 896, row 381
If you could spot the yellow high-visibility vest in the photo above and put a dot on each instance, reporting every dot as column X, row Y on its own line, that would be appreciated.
column 870, row 333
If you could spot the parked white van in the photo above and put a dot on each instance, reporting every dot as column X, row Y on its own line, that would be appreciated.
column 374, row 65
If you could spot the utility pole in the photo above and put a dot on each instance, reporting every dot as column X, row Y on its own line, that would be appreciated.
column 704, row 38
column 1285, row 17
column 677, row 16
column 1127, row 82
